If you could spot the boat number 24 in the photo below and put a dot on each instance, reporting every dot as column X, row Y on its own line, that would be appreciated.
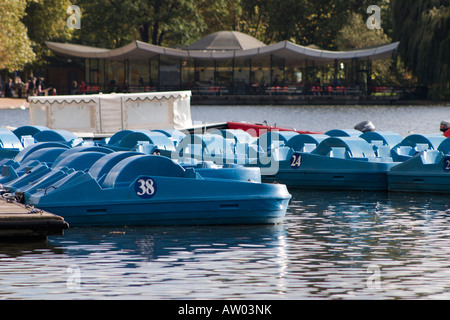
column 145, row 187
column 296, row 160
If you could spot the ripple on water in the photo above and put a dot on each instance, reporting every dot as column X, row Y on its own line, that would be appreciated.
column 326, row 250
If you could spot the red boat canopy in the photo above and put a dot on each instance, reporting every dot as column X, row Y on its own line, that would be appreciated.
column 256, row 130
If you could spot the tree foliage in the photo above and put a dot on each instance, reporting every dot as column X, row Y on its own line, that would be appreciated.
column 224, row 15
column 168, row 22
column 309, row 22
column 300, row 21
column 115, row 23
column 106, row 23
column 355, row 34
column 422, row 27
column 46, row 21
column 15, row 45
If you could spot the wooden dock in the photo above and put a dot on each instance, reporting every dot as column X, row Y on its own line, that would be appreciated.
column 20, row 222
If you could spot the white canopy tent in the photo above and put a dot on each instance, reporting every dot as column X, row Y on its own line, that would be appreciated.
column 109, row 113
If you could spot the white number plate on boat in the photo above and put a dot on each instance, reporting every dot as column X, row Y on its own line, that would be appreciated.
column 145, row 187
column 446, row 165
column 296, row 160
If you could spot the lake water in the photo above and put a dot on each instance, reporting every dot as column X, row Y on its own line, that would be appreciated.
column 332, row 245
column 401, row 119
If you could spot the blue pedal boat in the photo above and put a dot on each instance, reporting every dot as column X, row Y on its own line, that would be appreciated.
column 218, row 147
column 426, row 171
column 337, row 163
column 10, row 144
column 28, row 131
column 344, row 161
column 38, row 165
column 155, row 190
column 414, row 144
column 158, row 142
column 383, row 138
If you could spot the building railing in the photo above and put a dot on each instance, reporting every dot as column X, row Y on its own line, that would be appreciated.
column 374, row 92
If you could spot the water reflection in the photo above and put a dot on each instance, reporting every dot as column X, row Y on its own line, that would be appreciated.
column 197, row 262
column 156, row 263
column 13, row 250
column 343, row 235
column 332, row 245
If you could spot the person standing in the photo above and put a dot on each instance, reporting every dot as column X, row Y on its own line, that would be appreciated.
column 74, row 88
column 9, row 90
column 83, row 87
column 37, row 85
column 19, row 87
column 31, row 87
column 41, row 86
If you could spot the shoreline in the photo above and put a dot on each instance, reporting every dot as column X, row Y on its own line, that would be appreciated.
column 307, row 101
column 13, row 103
column 17, row 103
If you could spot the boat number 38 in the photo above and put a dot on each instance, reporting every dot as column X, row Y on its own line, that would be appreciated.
column 446, row 165
column 296, row 160
column 145, row 187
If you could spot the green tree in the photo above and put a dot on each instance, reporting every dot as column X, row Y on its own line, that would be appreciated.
column 115, row 23
column 355, row 34
column 222, row 15
column 256, row 18
column 15, row 45
column 46, row 21
column 107, row 23
column 301, row 21
column 304, row 22
column 422, row 27
column 169, row 22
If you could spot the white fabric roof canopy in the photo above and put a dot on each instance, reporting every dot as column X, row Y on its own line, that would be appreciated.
column 292, row 53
